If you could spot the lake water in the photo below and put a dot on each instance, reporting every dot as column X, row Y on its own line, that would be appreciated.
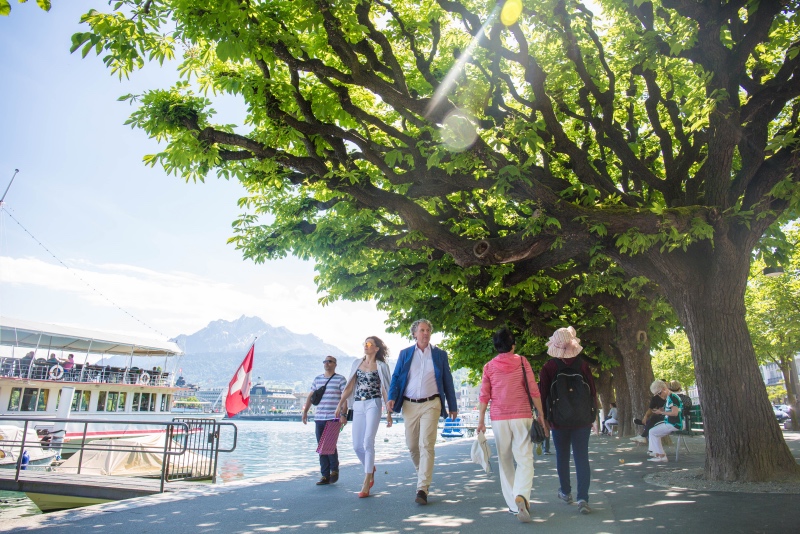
column 263, row 448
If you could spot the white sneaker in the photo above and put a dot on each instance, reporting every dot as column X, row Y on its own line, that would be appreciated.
column 659, row 459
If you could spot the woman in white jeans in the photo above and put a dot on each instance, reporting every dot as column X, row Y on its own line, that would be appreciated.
column 366, row 392
column 672, row 408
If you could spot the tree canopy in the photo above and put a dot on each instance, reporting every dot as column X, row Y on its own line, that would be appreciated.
column 508, row 137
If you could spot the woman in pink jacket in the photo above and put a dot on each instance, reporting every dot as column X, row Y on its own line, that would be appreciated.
column 503, row 384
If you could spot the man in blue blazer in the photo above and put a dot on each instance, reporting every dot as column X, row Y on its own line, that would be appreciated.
column 420, row 385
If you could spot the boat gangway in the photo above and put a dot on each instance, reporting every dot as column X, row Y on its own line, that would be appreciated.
column 187, row 449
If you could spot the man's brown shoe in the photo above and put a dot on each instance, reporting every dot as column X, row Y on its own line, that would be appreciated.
column 323, row 481
column 334, row 477
column 422, row 497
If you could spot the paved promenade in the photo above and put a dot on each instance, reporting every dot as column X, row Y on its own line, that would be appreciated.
column 462, row 499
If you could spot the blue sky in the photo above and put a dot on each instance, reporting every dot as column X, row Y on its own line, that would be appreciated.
column 150, row 243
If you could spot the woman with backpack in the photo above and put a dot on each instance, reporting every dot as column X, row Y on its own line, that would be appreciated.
column 673, row 421
column 570, row 398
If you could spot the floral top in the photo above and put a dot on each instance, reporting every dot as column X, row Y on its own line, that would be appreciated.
column 368, row 385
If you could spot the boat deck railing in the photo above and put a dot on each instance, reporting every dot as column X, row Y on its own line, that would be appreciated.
column 190, row 450
column 41, row 369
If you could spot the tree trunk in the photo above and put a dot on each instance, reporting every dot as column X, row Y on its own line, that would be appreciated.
column 624, row 411
column 605, row 390
column 634, row 346
column 743, row 439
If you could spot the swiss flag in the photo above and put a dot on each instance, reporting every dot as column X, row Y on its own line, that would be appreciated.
column 239, row 388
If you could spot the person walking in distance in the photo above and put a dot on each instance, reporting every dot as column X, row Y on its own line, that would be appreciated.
column 334, row 385
column 421, row 384
column 570, row 398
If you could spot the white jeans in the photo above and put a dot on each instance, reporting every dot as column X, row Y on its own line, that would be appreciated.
column 610, row 421
column 512, row 438
column 366, row 418
column 658, row 432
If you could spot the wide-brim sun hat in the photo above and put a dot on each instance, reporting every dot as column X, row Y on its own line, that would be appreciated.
column 564, row 343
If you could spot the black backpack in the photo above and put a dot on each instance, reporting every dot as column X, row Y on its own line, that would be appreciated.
column 570, row 402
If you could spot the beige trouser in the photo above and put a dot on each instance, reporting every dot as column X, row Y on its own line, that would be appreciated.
column 512, row 438
column 421, row 420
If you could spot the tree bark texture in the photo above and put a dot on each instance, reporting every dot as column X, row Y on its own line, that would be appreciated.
column 625, row 413
column 743, row 439
column 634, row 346
column 605, row 389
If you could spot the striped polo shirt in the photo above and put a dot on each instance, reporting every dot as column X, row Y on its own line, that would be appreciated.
column 333, row 393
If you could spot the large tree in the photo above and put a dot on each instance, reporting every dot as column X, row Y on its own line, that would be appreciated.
column 660, row 134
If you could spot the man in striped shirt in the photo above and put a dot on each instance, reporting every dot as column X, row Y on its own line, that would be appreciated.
column 334, row 385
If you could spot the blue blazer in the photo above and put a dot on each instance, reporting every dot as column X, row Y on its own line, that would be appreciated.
column 441, row 368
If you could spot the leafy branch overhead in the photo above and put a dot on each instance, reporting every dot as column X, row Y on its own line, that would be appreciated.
column 635, row 132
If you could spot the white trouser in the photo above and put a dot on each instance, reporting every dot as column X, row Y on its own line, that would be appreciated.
column 421, row 421
column 656, row 433
column 512, row 438
column 609, row 421
column 366, row 419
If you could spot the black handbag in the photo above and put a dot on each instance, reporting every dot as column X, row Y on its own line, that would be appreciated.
column 350, row 414
column 316, row 397
column 537, row 430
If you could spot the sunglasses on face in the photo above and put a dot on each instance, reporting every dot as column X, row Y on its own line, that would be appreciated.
column 369, row 344
column 328, row 361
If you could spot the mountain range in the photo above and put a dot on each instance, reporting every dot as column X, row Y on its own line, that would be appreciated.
column 282, row 357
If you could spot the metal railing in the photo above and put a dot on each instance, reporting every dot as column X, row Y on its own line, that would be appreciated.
column 203, row 445
column 189, row 451
column 41, row 369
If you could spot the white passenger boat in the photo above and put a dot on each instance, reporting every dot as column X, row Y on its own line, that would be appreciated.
column 37, row 387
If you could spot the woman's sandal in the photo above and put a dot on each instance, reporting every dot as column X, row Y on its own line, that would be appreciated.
column 362, row 494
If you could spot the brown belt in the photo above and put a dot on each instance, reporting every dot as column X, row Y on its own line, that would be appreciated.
column 422, row 400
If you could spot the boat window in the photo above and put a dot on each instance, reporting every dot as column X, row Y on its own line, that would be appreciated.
column 44, row 395
column 152, row 402
column 13, row 402
column 121, row 405
column 135, row 407
column 75, row 400
column 101, row 401
column 166, row 402
column 85, row 397
column 144, row 405
column 30, row 396
column 111, row 401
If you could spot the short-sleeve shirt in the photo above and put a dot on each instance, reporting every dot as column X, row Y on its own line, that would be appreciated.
column 333, row 394
column 674, row 400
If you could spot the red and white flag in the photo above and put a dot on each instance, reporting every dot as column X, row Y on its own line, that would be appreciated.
column 239, row 388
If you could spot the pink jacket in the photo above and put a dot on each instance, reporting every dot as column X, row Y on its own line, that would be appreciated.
column 502, row 385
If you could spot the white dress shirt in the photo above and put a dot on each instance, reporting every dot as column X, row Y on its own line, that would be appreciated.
column 421, row 375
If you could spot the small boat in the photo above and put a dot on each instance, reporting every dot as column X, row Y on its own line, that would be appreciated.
column 35, row 451
column 453, row 428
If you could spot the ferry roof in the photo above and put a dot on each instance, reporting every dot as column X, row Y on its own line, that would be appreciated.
column 50, row 337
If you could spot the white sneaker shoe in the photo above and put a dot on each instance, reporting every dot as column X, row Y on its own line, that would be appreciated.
column 659, row 459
